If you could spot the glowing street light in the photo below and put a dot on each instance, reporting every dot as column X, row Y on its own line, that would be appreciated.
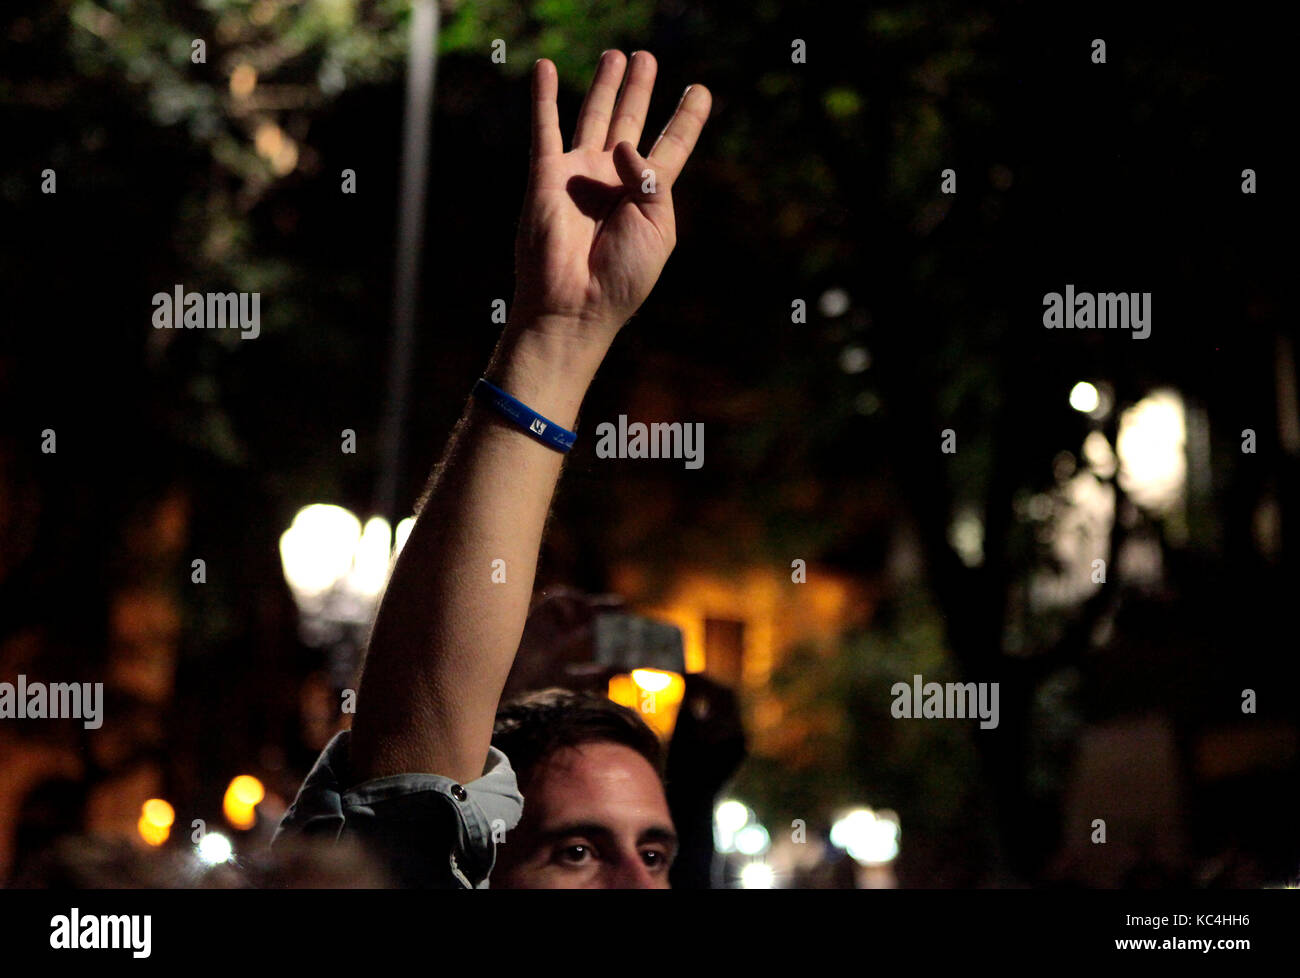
column 1084, row 397
column 214, row 848
column 757, row 876
column 736, row 829
column 156, row 818
column 316, row 553
column 728, row 819
column 401, row 534
column 241, row 800
column 652, row 680
column 370, row 560
column 1152, row 450
column 738, row 832
column 870, row 837
column 644, row 660
column 753, row 840
column 336, row 570
column 653, row 693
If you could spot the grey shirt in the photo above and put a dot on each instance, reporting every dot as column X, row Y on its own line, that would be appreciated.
column 428, row 830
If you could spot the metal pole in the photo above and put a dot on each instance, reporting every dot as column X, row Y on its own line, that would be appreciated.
column 416, row 130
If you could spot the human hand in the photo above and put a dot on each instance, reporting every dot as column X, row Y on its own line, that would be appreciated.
column 598, row 222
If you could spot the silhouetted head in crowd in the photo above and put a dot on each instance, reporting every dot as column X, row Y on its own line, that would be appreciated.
column 595, row 812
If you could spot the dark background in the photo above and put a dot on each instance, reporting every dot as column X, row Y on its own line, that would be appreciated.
column 1124, row 176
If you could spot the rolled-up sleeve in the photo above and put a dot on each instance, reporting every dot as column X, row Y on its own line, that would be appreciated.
column 429, row 830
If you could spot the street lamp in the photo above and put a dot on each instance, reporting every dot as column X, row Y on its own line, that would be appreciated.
column 871, row 838
column 646, row 662
column 336, row 570
column 740, row 841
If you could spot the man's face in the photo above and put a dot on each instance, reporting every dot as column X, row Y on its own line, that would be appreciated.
column 595, row 817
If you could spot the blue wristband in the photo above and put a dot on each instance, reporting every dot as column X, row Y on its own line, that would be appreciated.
column 547, row 432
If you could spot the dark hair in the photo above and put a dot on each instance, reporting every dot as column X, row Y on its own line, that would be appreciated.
column 529, row 729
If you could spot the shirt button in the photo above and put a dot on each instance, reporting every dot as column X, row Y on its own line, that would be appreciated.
column 459, row 793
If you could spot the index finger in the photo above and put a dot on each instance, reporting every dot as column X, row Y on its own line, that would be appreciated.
column 675, row 143
column 547, row 140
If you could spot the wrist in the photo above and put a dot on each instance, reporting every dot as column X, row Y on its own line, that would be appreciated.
column 548, row 365
column 575, row 336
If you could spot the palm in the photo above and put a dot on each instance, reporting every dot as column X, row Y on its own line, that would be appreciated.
column 596, row 246
column 592, row 241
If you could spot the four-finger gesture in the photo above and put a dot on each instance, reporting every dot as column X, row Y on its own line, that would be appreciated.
column 597, row 223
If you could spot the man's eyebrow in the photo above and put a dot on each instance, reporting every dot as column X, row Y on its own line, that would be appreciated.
column 566, row 829
column 658, row 833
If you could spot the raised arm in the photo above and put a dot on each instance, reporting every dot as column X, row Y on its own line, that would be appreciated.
column 596, row 229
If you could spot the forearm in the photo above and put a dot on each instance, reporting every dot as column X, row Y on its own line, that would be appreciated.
column 446, row 634
column 591, row 242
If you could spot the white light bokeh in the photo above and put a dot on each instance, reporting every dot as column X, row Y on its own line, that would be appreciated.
column 729, row 818
column 871, row 838
column 1084, row 397
column 1099, row 455
column 752, row 840
column 214, row 848
column 757, row 876
column 370, row 562
column 316, row 551
column 1152, row 451
column 403, row 532
column 833, row 302
column 854, row 359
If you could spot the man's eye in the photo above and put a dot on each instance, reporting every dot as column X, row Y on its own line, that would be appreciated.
column 655, row 858
column 574, row 855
